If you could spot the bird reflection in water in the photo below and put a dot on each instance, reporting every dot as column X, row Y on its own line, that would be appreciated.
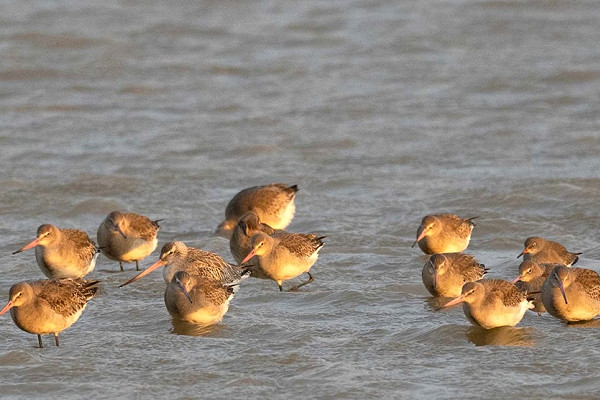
column 437, row 303
column 502, row 336
column 188, row 329
column 592, row 323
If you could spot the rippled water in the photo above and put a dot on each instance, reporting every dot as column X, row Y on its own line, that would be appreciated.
column 380, row 111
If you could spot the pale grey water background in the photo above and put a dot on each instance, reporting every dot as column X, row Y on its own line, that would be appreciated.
column 380, row 111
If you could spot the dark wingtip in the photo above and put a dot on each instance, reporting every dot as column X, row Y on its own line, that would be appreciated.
column 92, row 285
column 575, row 260
column 531, row 296
column 470, row 220
column 294, row 188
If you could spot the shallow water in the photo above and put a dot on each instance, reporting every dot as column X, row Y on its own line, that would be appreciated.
column 380, row 111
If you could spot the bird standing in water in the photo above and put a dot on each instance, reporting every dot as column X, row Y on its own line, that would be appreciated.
column 48, row 306
column 490, row 303
column 193, row 299
column 284, row 256
column 127, row 237
column 444, row 233
column 274, row 205
column 240, row 243
column 176, row 256
column 572, row 294
column 445, row 274
column 541, row 251
column 63, row 253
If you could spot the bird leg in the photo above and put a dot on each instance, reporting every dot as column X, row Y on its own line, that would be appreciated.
column 56, row 339
column 121, row 265
column 40, row 341
column 137, row 265
column 310, row 279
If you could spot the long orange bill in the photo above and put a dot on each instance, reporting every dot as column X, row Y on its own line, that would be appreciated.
column 517, row 279
column 7, row 307
column 145, row 272
column 457, row 300
column 249, row 256
column 523, row 252
column 435, row 278
column 421, row 236
column 29, row 246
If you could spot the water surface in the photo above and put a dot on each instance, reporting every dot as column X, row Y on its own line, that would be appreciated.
column 380, row 111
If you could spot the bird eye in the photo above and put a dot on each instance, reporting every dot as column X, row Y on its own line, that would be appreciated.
column 19, row 294
column 529, row 271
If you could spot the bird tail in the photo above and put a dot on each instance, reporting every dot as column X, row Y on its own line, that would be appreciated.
column 485, row 269
column 319, row 241
column 90, row 287
column 471, row 220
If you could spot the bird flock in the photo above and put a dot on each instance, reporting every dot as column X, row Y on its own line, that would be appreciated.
column 199, row 284
column 546, row 280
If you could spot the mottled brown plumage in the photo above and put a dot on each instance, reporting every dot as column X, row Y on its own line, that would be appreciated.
column 284, row 256
column 193, row 299
column 301, row 245
column 274, row 205
column 127, row 237
column 490, row 303
column 444, row 233
column 63, row 253
column 240, row 242
column 48, row 306
column 572, row 294
column 542, row 251
column 445, row 274
column 176, row 256
column 530, row 280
